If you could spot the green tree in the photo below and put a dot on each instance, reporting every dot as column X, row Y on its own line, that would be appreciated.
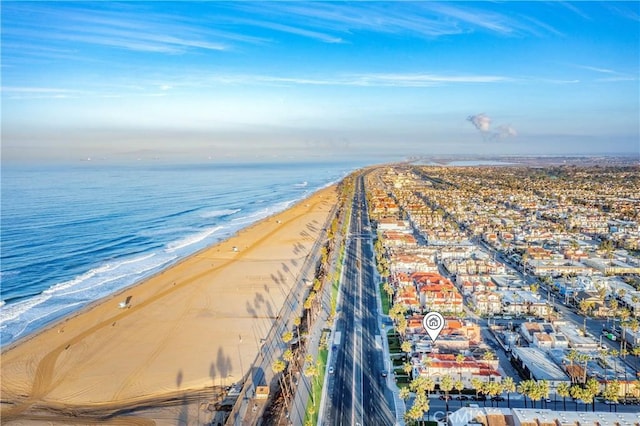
column 311, row 371
column 607, row 248
column 563, row 390
column 407, row 368
column 526, row 389
column 576, row 393
column 509, row 386
column 446, row 384
column 612, row 391
column 459, row 362
column 584, row 358
column 277, row 367
column 287, row 336
column 592, row 387
column 458, row 385
column 388, row 288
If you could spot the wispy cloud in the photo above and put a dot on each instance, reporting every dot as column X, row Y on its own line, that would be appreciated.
column 18, row 92
column 123, row 26
column 368, row 80
column 317, row 35
column 612, row 75
column 623, row 10
column 597, row 69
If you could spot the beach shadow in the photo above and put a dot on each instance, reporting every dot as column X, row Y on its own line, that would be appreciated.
column 270, row 312
column 250, row 310
column 212, row 374
column 275, row 279
column 179, row 379
column 223, row 363
column 259, row 299
column 294, row 262
column 183, row 415
column 285, row 267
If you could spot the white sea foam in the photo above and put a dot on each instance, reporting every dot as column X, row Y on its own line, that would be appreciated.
column 219, row 213
column 14, row 310
column 191, row 239
column 23, row 316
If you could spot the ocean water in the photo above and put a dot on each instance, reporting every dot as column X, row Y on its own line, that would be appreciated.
column 71, row 235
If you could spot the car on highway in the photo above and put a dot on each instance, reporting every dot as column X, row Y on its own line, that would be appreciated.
column 384, row 373
column 497, row 398
column 479, row 398
column 330, row 370
column 445, row 397
column 462, row 398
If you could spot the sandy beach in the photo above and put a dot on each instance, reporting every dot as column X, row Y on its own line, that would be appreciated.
column 195, row 326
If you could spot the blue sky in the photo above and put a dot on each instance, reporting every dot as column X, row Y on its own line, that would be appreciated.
column 245, row 80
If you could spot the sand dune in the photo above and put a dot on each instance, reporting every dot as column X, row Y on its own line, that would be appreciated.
column 196, row 325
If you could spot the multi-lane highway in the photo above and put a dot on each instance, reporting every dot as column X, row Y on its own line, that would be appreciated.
column 356, row 391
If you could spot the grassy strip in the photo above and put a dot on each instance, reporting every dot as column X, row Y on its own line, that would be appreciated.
column 311, row 417
column 385, row 299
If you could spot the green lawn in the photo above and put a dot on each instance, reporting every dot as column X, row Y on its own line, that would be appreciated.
column 317, row 384
column 385, row 300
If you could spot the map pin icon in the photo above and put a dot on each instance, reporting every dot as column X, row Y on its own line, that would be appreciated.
column 433, row 322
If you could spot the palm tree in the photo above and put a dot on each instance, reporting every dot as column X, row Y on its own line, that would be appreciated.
column 407, row 368
column 563, row 390
column 388, row 288
column 636, row 352
column 509, row 386
column 406, row 346
column 311, row 371
column 529, row 389
column 404, row 393
column 585, row 359
column 277, row 367
column 576, row 393
column 493, row 389
column 476, row 384
column 607, row 247
column 287, row 336
column 426, row 363
column 614, row 354
column 459, row 362
column 592, row 386
column 458, row 385
column 488, row 356
column 446, row 384
column 612, row 392
column 543, row 387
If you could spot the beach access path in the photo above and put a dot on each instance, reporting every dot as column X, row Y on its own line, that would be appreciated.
column 196, row 326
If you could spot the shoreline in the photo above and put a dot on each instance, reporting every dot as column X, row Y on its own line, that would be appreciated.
column 165, row 304
column 170, row 265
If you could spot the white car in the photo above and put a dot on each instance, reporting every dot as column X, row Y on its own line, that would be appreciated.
column 330, row 370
